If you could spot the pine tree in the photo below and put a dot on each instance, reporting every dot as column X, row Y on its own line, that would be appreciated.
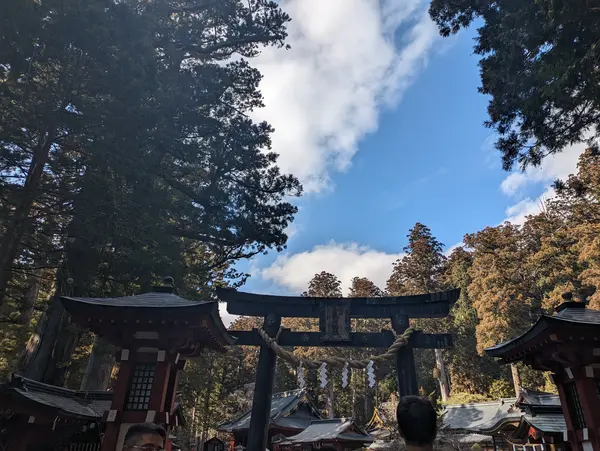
column 470, row 373
column 324, row 285
column 143, row 120
column 538, row 66
column 421, row 271
column 504, row 286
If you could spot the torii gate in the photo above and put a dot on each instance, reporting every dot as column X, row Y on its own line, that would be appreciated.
column 334, row 322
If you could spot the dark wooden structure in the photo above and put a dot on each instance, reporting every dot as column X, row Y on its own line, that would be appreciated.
column 214, row 444
column 338, row 434
column 335, row 316
column 35, row 416
column 543, row 424
column 566, row 344
column 39, row 417
column 291, row 413
column 154, row 334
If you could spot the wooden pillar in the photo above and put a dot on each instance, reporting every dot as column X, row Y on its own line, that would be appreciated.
column 263, row 390
column 406, row 373
column 559, row 380
column 588, row 398
column 113, row 422
column 160, row 384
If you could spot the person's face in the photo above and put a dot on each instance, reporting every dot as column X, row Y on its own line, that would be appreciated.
column 146, row 442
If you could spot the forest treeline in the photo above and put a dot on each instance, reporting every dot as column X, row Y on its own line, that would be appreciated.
column 127, row 153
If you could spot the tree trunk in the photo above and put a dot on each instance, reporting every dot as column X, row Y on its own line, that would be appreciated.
column 353, row 377
column 516, row 379
column 443, row 378
column 99, row 367
column 369, row 395
column 194, row 427
column 10, row 244
column 330, row 401
column 33, row 289
column 50, row 347
column 34, row 359
column 206, row 405
column 24, row 365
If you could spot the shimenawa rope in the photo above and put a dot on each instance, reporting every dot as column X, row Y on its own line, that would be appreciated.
column 399, row 342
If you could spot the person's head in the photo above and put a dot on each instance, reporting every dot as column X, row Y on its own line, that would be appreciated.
column 145, row 437
column 417, row 421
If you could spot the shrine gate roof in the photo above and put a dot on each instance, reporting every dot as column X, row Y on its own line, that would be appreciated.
column 289, row 410
column 431, row 305
column 337, row 429
column 572, row 321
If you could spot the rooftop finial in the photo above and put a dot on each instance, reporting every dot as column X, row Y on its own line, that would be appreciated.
column 168, row 286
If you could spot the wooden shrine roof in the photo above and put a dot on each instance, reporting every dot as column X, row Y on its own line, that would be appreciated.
column 337, row 429
column 32, row 398
column 289, row 410
column 476, row 416
column 28, row 394
column 145, row 300
column 538, row 402
column 539, row 426
column 574, row 316
column 539, row 410
column 546, row 423
column 191, row 324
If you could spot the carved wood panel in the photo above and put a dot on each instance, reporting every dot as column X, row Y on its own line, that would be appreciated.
column 334, row 321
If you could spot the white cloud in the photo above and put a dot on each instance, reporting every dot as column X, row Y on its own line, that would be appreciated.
column 448, row 251
column 348, row 60
column 517, row 213
column 345, row 260
column 557, row 166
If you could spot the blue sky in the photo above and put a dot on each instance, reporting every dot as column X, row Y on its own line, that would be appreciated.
column 381, row 120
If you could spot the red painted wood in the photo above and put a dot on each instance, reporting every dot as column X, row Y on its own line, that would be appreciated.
column 159, row 386
column 575, row 446
column 586, row 388
column 122, row 384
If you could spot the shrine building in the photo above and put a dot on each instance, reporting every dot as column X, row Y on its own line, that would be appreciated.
column 52, row 418
column 338, row 434
column 154, row 334
column 291, row 413
column 567, row 344
column 533, row 421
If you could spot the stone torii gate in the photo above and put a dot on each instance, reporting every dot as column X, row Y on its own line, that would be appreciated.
column 334, row 323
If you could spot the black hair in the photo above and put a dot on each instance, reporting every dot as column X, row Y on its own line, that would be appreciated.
column 145, row 428
column 417, row 420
